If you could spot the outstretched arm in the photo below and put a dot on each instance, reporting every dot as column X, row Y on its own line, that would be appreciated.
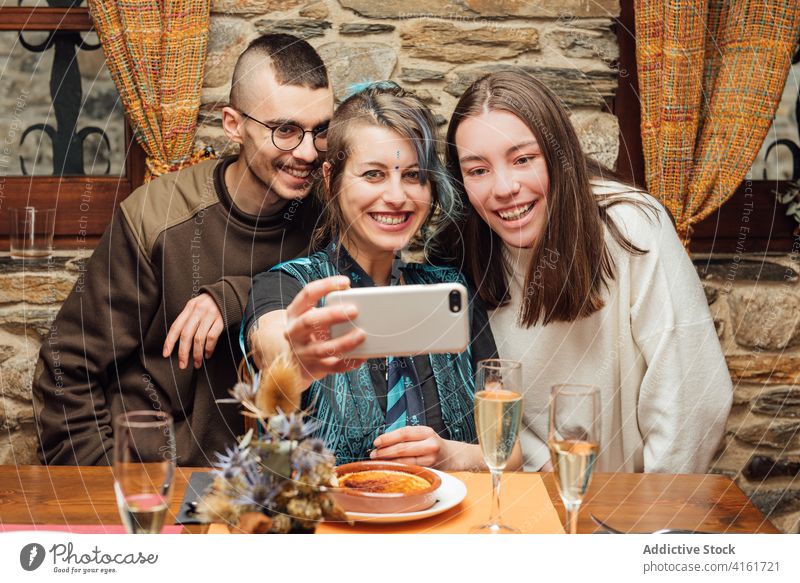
column 303, row 330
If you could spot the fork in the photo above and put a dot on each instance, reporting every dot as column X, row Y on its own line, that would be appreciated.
column 609, row 529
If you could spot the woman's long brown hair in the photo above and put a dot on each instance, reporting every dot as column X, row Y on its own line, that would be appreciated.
column 571, row 263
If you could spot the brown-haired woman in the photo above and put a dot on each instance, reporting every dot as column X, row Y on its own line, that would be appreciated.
column 587, row 280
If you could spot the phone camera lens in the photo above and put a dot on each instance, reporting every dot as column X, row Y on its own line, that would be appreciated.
column 455, row 301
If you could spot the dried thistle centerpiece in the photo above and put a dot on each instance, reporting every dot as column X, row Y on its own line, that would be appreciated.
column 276, row 480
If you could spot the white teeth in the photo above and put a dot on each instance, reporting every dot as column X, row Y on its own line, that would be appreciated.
column 516, row 213
column 297, row 173
column 389, row 219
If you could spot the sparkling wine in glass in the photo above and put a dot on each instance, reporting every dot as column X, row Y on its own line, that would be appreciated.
column 574, row 443
column 498, row 412
column 144, row 467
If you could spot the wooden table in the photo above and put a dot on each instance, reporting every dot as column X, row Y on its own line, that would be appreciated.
column 640, row 502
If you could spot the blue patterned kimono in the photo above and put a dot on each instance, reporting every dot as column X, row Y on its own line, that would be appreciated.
column 345, row 407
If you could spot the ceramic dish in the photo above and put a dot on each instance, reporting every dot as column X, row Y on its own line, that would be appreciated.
column 376, row 484
column 449, row 495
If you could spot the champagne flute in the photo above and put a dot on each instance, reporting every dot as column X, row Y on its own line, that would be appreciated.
column 574, row 443
column 498, row 411
column 144, row 466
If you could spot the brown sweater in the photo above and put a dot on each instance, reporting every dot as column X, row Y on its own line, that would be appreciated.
column 172, row 239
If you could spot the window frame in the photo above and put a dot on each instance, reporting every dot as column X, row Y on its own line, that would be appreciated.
column 77, row 227
column 751, row 221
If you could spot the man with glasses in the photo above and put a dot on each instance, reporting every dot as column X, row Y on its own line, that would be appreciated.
column 153, row 322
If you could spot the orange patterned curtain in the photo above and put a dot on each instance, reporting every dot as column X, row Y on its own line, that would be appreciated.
column 156, row 53
column 711, row 74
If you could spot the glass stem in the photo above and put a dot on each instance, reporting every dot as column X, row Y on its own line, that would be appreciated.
column 494, row 517
column 572, row 516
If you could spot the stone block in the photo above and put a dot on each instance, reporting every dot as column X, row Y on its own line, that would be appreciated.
column 357, row 62
column 210, row 116
column 565, row 10
column 315, row 10
column 36, row 287
column 412, row 75
column 16, row 372
column 744, row 269
column 227, row 38
column 303, row 28
column 766, row 317
column 775, row 433
column 24, row 320
column 772, row 369
column 595, row 42
column 407, row 9
column 574, row 87
column 598, row 133
column 779, row 403
column 215, row 96
column 52, row 265
column 19, row 447
column 744, row 394
column 443, row 41
column 361, row 28
column 248, row 7
column 771, row 501
column 14, row 414
column 761, row 467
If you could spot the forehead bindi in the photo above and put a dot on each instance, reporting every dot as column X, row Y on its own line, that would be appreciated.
column 381, row 145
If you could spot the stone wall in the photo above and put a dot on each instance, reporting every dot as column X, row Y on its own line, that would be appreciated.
column 29, row 300
column 755, row 301
column 569, row 43
column 434, row 47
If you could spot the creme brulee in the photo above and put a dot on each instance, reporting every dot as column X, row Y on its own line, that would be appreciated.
column 384, row 482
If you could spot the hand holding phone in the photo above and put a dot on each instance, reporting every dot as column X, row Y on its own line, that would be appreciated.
column 404, row 320
column 308, row 331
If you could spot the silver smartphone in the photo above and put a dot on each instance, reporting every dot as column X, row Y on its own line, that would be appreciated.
column 406, row 320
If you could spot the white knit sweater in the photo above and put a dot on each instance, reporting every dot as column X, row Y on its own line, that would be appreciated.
column 652, row 350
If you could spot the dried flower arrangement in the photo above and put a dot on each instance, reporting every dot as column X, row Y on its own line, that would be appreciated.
column 276, row 481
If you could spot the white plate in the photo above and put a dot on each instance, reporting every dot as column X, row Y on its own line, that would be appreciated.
column 450, row 494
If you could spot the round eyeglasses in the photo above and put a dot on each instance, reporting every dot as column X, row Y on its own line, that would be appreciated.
column 288, row 136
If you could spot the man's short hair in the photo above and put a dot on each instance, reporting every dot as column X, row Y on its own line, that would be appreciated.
column 293, row 62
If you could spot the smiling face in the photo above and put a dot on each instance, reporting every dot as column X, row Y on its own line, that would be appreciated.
column 505, row 175
column 379, row 196
column 282, row 174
